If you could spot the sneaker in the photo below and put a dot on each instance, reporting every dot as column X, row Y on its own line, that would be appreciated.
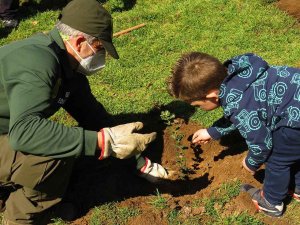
column 261, row 203
column 295, row 194
column 10, row 23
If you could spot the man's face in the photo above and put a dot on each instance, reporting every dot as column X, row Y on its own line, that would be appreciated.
column 79, row 48
column 85, row 58
column 87, row 50
column 206, row 104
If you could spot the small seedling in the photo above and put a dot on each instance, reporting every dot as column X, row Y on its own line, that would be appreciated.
column 180, row 156
column 177, row 136
column 167, row 117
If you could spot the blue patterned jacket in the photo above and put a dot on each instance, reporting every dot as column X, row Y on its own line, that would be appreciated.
column 258, row 98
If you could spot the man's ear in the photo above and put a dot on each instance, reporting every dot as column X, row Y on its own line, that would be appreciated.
column 77, row 41
column 213, row 94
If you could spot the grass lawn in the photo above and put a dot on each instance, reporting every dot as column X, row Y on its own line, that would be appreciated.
column 136, row 82
column 224, row 28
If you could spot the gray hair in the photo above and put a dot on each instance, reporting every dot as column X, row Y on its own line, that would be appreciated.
column 66, row 30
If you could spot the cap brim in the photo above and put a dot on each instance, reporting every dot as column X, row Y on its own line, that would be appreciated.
column 110, row 48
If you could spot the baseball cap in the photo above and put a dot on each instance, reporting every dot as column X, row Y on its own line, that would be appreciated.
column 90, row 17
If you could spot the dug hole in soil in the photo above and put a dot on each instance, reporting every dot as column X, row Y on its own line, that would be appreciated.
column 197, row 172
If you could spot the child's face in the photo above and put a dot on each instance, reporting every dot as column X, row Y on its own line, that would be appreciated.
column 207, row 104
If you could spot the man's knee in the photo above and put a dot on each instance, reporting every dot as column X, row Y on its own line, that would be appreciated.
column 44, row 174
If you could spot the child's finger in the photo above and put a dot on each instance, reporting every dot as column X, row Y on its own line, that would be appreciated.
column 194, row 136
column 197, row 140
column 203, row 142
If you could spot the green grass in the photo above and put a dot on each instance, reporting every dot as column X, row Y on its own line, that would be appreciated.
column 111, row 214
column 292, row 212
column 228, row 191
column 58, row 222
column 222, row 28
column 215, row 206
column 220, row 197
column 239, row 219
column 136, row 82
column 158, row 201
column 213, row 209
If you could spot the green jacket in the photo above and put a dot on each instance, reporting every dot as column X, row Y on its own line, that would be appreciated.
column 36, row 79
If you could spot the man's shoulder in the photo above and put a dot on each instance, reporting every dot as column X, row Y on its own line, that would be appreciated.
column 30, row 52
column 33, row 58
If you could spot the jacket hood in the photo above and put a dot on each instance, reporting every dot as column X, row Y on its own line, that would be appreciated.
column 243, row 70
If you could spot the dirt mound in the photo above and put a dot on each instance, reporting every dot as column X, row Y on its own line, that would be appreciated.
column 199, row 171
column 292, row 7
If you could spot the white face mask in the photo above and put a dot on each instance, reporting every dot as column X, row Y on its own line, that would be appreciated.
column 90, row 64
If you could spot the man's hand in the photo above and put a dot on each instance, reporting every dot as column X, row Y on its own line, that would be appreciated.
column 153, row 172
column 246, row 167
column 201, row 137
column 121, row 142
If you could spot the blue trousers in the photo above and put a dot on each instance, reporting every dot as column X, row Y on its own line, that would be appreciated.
column 285, row 155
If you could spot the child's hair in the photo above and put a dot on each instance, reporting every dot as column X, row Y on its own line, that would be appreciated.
column 194, row 75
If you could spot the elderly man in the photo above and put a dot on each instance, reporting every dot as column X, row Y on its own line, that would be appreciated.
column 39, row 75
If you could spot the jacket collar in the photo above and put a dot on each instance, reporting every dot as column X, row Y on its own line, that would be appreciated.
column 60, row 49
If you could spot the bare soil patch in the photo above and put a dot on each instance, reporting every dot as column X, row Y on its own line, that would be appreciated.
column 206, row 168
column 292, row 7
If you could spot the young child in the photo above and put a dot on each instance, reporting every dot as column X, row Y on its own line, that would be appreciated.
column 261, row 101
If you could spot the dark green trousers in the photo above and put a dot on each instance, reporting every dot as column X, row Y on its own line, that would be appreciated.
column 40, row 183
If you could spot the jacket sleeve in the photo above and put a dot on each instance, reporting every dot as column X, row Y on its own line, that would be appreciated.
column 260, row 144
column 258, row 136
column 84, row 107
column 220, row 128
column 28, row 85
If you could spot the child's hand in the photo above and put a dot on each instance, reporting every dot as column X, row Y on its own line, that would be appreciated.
column 201, row 137
column 246, row 167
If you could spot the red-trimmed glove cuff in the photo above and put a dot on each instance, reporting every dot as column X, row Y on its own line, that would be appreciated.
column 102, row 145
column 142, row 170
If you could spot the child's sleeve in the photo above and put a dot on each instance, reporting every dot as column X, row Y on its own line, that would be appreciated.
column 260, row 144
column 220, row 128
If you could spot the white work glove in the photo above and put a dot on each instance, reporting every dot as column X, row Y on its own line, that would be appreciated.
column 153, row 172
column 120, row 141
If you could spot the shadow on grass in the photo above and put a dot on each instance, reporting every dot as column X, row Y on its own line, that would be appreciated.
column 4, row 32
